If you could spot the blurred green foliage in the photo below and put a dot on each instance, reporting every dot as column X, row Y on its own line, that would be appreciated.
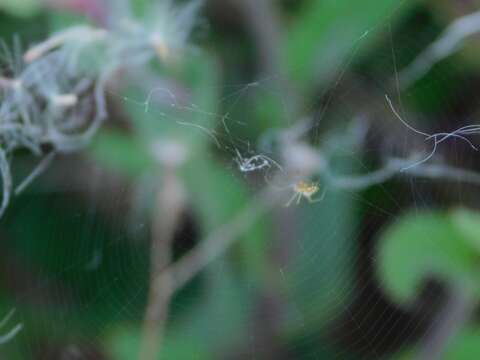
column 327, row 34
column 433, row 245
column 91, row 274
column 429, row 245
column 20, row 8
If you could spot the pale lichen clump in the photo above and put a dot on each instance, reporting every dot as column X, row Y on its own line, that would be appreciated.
column 52, row 96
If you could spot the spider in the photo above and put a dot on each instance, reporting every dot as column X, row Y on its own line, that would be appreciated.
column 306, row 190
column 257, row 162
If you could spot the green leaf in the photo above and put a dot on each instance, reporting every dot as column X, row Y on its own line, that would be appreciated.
column 219, row 322
column 328, row 31
column 186, row 114
column 87, row 266
column 463, row 346
column 20, row 8
column 120, row 152
column 61, row 19
column 123, row 343
column 321, row 273
column 468, row 223
column 214, row 324
column 422, row 245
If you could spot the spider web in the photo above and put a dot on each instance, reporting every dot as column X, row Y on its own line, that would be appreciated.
column 319, row 296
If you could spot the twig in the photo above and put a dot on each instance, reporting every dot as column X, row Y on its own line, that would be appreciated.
column 443, row 47
column 169, row 207
column 6, row 83
column 76, row 33
column 6, row 180
column 13, row 332
column 262, row 17
column 264, row 25
column 39, row 169
column 394, row 167
column 220, row 240
column 456, row 312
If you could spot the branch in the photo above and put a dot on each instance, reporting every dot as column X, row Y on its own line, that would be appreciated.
column 456, row 312
column 221, row 239
column 441, row 48
column 169, row 208
column 170, row 204
column 263, row 23
column 13, row 332
column 399, row 167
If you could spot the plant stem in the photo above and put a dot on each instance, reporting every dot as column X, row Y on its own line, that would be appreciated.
column 455, row 313
column 170, row 202
column 219, row 241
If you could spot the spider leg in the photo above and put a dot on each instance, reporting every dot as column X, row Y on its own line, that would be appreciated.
column 299, row 198
column 291, row 199
column 322, row 196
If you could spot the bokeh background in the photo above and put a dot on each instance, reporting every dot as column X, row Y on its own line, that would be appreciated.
column 381, row 268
